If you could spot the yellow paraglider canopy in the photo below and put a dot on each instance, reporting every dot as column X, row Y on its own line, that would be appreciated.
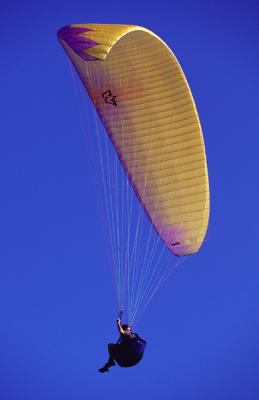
column 144, row 100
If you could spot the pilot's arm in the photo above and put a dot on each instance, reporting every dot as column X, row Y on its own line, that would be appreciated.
column 120, row 327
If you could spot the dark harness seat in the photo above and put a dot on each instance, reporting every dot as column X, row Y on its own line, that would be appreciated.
column 129, row 352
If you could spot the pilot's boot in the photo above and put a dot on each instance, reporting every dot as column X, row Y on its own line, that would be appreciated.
column 106, row 367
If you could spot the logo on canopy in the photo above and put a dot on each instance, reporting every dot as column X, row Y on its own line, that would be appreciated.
column 109, row 98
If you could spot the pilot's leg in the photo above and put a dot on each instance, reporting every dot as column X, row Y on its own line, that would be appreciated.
column 110, row 362
column 112, row 351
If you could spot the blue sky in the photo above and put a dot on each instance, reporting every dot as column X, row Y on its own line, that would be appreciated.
column 57, row 307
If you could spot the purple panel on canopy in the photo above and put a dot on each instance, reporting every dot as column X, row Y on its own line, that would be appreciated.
column 77, row 43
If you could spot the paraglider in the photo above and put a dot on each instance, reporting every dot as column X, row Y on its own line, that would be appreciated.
column 143, row 99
